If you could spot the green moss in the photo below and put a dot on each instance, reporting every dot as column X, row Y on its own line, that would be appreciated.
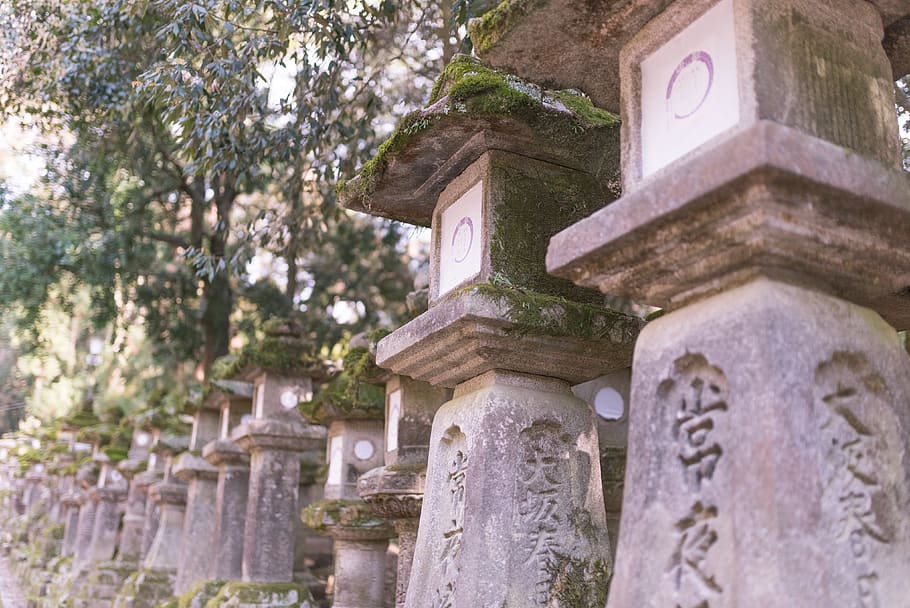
column 283, row 350
column 116, row 453
column 324, row 514
column 579, row 583
column 81, row 419
column 200, row 595
column 273, row 595
column 345, row 397
column 406, row 468
column 467, row 86
column 532, row 313
column 489, row 29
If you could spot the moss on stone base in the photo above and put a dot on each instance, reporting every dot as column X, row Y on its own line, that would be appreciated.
column 197, row 597
column 321, row 515
column 260, row 595
column 145, row 589
column 532, row 313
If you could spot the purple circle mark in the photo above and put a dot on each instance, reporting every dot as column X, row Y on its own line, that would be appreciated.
column 465, row 221
column 700, row 57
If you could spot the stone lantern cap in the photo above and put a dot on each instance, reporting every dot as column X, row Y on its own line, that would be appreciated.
column 394, row 491
column 356, row 393
column 189, row 466
column 767, row 201
column 224, row 451
column 486, row 327
column 474, row 109
column 288, row 434
column 346, row 520
column 577, row 44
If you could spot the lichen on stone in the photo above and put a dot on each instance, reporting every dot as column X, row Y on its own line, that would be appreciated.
column 237, row 594
column 532, row 313
column 468, row 87
column 324, row 514
column 283, row 350
column 489, row 28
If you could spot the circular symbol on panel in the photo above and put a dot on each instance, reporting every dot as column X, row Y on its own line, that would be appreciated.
column 690, row 85
column 143, row 439
column 364, row 449
column 609, row 404
column 462, row 239
column 245, row 419
column 116, row 477
column 289, row 399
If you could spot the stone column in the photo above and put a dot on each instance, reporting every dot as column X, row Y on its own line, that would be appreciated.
column 231, row 495
column 130, row 549
column 769, row 462
column 395, row 491
column 199, row 521
column 88, row 505
column 71, row 504
column 513, row 510
column 109, row 496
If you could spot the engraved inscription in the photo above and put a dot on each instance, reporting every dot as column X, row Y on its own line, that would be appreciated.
column 541, row 502
column 696, row 392
column 444, row 596
column 854, row 493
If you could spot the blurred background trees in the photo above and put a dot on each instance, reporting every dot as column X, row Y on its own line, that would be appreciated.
column 183, row 159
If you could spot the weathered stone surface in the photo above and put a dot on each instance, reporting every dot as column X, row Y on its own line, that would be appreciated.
column 84, row 529
column 261, row 595
column 472, row 333
column 514, row 472
column 360, row 573
column 278, row 434
column 472, row 111
column 508, row 206
column 577, row 44
column 152, row 516
column 229, row 519
column 193, row 563
column 103, row 544
column 268, row 556
column 145, row 589
column 71, row 503
column 768, row 201
column 779, row 459
column 410, row 407
column 170, row 496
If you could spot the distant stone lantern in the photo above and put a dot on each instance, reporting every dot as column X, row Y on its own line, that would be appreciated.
column 395, row 491
column 281, row 368
column 234, row 402
column 351, row 408
column 496, row 165
column 201, row 479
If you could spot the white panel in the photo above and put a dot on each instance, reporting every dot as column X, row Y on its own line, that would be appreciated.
column 336, row 459
column 689, row 89
column 391, row 440
column 461, row 245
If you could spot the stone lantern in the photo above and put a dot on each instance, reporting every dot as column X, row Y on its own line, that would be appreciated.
column 351, row 408
column 201, row 478
column 766, row 209
column 281, row 369
column 496, row 165
column 395, row 491
column 234, row 403
column 130, row 549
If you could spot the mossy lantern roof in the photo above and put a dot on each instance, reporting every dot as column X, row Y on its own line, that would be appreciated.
column 577, row 44
column 474, row 109
column 283, row 351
